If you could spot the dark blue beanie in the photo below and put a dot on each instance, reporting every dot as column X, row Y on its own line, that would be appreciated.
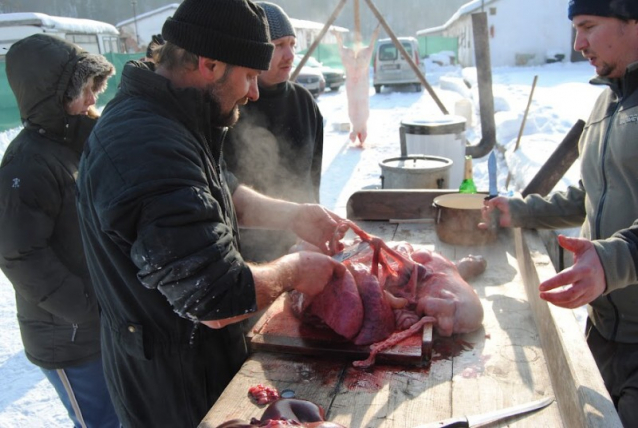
column 278, row 22
column 623, row 9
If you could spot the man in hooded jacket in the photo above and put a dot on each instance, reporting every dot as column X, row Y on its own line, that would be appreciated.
column 56, row 85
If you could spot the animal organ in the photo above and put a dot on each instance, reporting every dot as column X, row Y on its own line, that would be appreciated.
column 285, row 413
column 390, row 287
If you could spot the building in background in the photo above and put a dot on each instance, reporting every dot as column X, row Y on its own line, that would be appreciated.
column 520, row 33
column 138, row 30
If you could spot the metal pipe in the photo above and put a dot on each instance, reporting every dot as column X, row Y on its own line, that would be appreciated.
column 484, row 77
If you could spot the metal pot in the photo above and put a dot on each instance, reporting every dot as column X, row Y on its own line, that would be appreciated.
column 415, row 172
column 457, row 218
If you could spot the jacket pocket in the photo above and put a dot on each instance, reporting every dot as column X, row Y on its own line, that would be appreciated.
column 132, row 341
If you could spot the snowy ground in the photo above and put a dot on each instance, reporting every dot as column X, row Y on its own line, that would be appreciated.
column 561, row 97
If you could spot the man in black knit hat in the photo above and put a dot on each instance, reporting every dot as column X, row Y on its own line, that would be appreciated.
column 159, row 219
column 604, row 204
column 276, row 147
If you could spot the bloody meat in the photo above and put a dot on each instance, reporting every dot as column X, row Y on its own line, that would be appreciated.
column 396, row 285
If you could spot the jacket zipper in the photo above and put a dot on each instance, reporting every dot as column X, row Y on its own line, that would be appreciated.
column 601, row 203
column 75, row 331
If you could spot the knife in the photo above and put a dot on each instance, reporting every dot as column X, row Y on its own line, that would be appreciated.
column 495, row 219
column 487, row 418
column 351, row 251
column 491, row 172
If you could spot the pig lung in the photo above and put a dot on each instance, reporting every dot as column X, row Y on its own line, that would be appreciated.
column 378, row 318
column 340, row 306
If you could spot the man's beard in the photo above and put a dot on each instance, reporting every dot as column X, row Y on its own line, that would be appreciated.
column 218, row 117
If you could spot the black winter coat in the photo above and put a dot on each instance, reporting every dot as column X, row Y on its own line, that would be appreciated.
column 40, row 246
column 161, row 238
column 277, row 149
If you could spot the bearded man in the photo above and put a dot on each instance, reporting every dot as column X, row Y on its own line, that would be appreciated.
column 159, row 219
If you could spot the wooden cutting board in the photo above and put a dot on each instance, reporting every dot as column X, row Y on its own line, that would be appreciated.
column 278, row 330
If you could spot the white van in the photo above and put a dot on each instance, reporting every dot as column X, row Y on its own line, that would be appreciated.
column 391, row 69
column 93, row 36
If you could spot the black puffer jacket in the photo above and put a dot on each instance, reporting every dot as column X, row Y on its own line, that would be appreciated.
column 40, row 245
column 161, row 238
column 277, row 149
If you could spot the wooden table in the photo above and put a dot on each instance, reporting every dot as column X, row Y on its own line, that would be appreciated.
column 526, row 350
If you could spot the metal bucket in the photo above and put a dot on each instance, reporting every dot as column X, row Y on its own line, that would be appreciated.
column 437, row 136
column 457, row 217
column 415, row 172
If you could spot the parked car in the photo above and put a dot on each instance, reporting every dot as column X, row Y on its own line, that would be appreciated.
column 334, row 77
column 310, row 78
column 391, row 69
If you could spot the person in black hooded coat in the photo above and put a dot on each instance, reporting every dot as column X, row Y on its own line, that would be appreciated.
column 56, row 84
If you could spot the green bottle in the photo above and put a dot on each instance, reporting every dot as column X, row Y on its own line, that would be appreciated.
column 467, row 186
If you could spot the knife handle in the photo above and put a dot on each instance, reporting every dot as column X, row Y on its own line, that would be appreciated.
column 459, row 422
column 495, row 215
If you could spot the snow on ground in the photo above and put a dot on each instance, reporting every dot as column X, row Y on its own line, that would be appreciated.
column 562, row 96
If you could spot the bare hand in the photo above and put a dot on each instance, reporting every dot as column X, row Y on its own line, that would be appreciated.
column 586, row 276
column 314, row 271
column 499, row 203
column 316, row 225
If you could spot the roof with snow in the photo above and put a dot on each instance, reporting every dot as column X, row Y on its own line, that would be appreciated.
column 148, row 14
column 467, row 8
column 312, row 25
column 61, row 23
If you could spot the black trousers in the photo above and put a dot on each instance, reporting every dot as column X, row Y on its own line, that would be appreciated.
column 618, row 365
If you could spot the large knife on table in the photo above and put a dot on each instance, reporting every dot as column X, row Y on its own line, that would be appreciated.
column 488, row 418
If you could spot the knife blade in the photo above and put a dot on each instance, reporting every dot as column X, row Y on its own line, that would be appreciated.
column 351, row 251
column 489, row 417
column 495, row 217
column 492, row 175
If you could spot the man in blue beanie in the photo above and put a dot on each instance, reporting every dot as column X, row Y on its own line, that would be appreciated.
column 159, row 218
column 605, row 203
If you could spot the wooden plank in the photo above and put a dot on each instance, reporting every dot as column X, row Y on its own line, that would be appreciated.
column 384, row 204
column 283, row 332
column 525, row 350
column 392, row 397
column 578, row 387
column 311, row 379
column 507, row 366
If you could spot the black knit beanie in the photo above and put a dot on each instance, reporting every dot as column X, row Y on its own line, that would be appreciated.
column 278, row 21
column 623, row 9
column 232, row 31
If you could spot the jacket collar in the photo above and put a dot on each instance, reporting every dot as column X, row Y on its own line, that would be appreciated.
column 187, row 105
column 623, row 86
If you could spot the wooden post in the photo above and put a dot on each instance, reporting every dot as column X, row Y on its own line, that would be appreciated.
column 316, row 42
column 407, row 57
column 557, row 164
column 529, row 103
column 484, row 77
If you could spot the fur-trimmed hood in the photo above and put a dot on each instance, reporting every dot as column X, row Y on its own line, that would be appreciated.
column 41, row 69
